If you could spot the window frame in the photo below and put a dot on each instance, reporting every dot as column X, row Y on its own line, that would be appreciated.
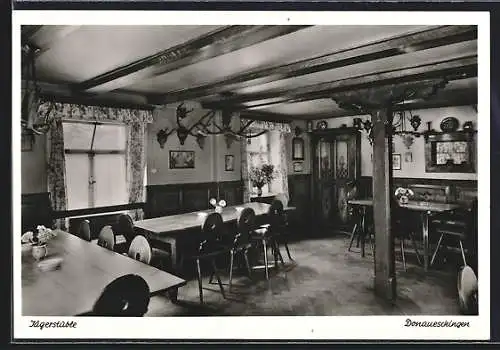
column 91, row 156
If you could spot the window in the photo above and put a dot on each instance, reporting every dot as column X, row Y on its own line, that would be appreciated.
column 265, row 149
column 96, row 173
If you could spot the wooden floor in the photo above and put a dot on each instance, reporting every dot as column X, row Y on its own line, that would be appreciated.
column 326, row 280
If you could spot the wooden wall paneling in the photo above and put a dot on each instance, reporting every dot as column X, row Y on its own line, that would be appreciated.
column 300, row 197
column 195, row 196
column 231, row 192
column 439, row 190
column 36, row 209
column 162, row 200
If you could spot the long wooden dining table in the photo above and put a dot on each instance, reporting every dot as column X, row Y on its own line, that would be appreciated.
column 169, row 229
column 86, row 269
column 427, row 209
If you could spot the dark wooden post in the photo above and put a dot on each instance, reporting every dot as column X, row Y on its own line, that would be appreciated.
column 378, row 102
column 385, row 279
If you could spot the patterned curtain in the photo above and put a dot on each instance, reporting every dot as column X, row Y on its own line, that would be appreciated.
column 283, row 166
column 136, row 163
column 244, row 172
column 57, row 170
column 267, row 125
column 51, row 110
column 135, row 119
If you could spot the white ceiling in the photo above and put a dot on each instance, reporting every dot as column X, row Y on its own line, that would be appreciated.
column 74, row 54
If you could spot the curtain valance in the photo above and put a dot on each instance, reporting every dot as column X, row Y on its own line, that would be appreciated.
column 268, row 125
column 58, row 110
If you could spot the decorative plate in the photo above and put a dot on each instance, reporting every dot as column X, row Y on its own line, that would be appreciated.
column 322, row 125
column 449, row 124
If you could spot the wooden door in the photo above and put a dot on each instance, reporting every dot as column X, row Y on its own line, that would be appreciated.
column 336, row 166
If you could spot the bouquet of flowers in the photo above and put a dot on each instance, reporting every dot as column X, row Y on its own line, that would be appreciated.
column 218, row 205
column 41, row 236
column 262, row 176
column 403, row 194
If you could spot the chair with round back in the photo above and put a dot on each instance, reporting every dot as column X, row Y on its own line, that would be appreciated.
column 126, row 296
column 125, row 227
column 140, row 249
column 106, row 238
column 241, row 244
column 210, row 248
column 84, row 230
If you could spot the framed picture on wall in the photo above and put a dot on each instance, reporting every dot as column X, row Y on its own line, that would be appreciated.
column 396, row 161
column 181, row 159
column 229, row 162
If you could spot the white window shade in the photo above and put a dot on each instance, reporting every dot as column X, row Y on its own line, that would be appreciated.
column 77, row 180
column 110, row 186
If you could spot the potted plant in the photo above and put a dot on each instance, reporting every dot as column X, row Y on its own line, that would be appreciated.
column 261, row 176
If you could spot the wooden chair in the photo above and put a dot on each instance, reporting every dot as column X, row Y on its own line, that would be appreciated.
column 460, row 225
column 141, row 250
column 107, row 238
column 125, row 227
column 241, row 244
column 404, row 226
column 126, row 296
column 210, row 248
column 84, row 230
column 266, row 235
column 287, row 212
column 124, row 233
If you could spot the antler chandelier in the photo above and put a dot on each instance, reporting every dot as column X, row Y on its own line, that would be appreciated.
column 206, row 125
column 30, row 119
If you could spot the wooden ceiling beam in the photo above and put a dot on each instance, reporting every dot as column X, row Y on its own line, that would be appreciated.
column 43, row 37
column 464, row 67
column 398, row 45
column 213, row 44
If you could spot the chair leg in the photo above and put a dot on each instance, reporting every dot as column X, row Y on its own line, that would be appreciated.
column 412, row 236
column 278, row 254
column 462, row 251
column 402, row 242
column 218, row 279
column 372, row 245
column 265, row 258
column 200, row 286
column 247, row 263
column 353, row 235
column 231, row 269
column 288, row 252
column 274, row 246
column 437, row 248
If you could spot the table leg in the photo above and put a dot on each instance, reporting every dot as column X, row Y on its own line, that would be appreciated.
column 172, row 294
column 425, row 238
column 363, row 232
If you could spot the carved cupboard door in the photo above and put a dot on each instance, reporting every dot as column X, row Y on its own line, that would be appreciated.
column 336, row 164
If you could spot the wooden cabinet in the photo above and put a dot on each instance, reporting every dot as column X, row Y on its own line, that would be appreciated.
column 336, row 165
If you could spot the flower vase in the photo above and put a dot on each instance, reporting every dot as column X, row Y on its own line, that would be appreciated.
column 259, row 191
column 403, row 199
